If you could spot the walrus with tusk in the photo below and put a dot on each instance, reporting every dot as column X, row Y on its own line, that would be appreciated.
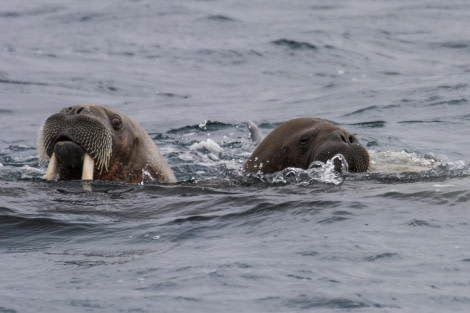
column 301, row 141
column 92, row 142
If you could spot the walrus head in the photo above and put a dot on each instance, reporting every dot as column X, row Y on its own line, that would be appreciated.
column 299, row 142
column 94, row 142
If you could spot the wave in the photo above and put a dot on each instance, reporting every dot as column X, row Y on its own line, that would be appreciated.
column 304, row 302
column 294, row 44
column 23, row 233
column 204, row 126
column 221, row 18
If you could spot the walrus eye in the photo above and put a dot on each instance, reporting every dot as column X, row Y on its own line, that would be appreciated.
column 116, row 122
column 304, row 141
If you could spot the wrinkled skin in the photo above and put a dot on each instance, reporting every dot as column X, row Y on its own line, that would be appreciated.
column 299, row 142
column 119, row 146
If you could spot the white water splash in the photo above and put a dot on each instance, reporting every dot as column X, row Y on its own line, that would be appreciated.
column 318, row 172
column 401, row 161
column 203, row 125
column 209, row 146
column 146, row 176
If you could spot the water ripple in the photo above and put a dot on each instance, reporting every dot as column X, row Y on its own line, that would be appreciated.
column 294, row 45
column 305, row 302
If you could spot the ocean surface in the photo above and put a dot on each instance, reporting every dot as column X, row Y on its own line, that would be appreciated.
column 193, row 72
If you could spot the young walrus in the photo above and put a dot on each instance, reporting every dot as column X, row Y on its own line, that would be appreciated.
column 299, row 142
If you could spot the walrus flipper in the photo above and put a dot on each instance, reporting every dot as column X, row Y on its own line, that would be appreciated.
column 255, row 133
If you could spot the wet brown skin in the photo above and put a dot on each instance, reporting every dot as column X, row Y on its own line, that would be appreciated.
column 79, row 129
column 299, row 142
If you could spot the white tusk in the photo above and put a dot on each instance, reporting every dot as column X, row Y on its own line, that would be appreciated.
column 88, row 167
column 51, row 173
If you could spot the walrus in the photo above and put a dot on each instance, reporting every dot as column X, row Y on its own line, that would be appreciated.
column 92, row 142
column 299, row 142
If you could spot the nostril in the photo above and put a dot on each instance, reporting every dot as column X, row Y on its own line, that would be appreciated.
column 74, row 110
column 343, row 138
column 352, row 139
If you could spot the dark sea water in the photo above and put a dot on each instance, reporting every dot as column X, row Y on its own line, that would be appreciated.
column 394, row 73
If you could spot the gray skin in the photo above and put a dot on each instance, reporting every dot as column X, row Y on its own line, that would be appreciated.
column 121, row 149
column 299, row 142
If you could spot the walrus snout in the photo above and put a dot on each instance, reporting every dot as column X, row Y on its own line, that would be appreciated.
column 355, row 154
column 71, row 137
column 342, row 142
